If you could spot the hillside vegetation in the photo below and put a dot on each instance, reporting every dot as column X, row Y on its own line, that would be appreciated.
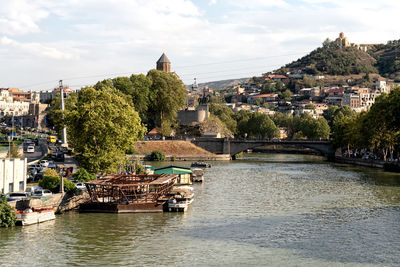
column 387, row 58
column 333, row 60
column 383, row 59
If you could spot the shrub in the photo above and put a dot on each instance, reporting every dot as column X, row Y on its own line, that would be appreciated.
column 130, row 151
column 157, row 155
column 7, row 217
column 140, row 169
column 51, row 180
column 69, row 186
column 83, row 176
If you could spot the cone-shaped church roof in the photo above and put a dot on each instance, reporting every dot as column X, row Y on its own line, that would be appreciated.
column 163, row 59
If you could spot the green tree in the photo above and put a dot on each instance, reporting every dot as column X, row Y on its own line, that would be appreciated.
column 141, row 94
column 261, row 125
column 69, row 186
column 101, row 127
column 286, row 95
column 55, row 116
column 167, row 96
column 224, row 114
column 83, row 176
column 157, row 155
column 51, row 181
column 13, row 153
column 7, row 216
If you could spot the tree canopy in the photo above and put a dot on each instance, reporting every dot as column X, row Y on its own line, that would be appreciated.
column 102, row 125
column 167, row 95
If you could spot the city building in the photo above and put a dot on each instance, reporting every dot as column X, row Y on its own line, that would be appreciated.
column 13, row 175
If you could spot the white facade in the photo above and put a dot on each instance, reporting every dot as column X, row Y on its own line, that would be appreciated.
column 16, row 108
column 12, row 175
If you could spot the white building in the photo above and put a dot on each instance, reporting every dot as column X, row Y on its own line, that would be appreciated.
column 12, row 175
column 9, row 107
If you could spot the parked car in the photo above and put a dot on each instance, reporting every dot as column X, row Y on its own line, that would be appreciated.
column 32, row 170
column 39, row 176
column 30, row 149
column 80, row 186
column 15, row 196
column 44, row 163
column 51, row 165
column 38, row 167
column 42, row 193
column 31, row 189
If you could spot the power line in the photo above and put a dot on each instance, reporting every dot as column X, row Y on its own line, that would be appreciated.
column 177, row 67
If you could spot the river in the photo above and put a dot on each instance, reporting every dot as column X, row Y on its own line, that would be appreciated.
column 263, row 210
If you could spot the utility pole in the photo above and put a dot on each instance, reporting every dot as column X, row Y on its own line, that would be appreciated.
column 64, row 130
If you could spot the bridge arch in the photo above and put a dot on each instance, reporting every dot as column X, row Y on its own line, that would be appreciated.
column 235, row 146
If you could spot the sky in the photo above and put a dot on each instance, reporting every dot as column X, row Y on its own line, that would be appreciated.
column 84, row 41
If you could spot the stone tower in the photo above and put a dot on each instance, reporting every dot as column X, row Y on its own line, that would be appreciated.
column 163, row 64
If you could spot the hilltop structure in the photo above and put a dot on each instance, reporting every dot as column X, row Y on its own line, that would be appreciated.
column 163, row 64
column 343, row 41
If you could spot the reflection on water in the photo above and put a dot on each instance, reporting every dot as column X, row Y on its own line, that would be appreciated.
column 262, row 210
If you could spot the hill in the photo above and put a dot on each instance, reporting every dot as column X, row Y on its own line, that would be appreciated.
column 387, row 58
column 220, row 85
column 333, row 60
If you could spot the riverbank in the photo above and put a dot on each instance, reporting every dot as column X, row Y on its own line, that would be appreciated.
column 360, row 162
column 60, row 203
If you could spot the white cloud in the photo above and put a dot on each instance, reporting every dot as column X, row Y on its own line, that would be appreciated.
column 109, row 36
column 19, row 17
column 35, row 49
column 259, row 3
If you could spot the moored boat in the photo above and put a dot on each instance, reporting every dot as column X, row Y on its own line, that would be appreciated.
column 33, row 216
column 200, row 164
column 197, row 175
column 180, row 198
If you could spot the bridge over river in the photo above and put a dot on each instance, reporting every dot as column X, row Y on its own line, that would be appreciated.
column 235, row 146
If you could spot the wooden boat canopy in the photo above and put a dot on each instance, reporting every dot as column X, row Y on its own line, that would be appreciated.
column 131, row 188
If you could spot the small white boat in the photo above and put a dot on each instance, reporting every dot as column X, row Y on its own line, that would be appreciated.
column 182, row 197
column 33, row 216
column 197, row 175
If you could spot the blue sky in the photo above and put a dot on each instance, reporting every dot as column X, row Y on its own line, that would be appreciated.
column 83, row 41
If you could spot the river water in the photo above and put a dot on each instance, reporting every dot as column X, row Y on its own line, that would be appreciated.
column 263, row 210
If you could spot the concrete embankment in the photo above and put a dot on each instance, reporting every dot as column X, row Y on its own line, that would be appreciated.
column 61, row 202
column 360, row 162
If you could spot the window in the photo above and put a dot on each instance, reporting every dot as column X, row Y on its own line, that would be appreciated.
column 10, row 187
column 21, row 186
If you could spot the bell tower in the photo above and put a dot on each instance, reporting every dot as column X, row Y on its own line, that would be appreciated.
column 163, row 64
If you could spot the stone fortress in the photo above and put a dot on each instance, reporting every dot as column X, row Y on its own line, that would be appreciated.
column 343, row 41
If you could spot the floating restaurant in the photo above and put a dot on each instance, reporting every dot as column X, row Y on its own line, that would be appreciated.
column 129, row 193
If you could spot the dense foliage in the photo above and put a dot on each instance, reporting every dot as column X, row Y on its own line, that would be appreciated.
column 257, row 125
column 83, row 176
column 102, row 125
column 387, row 56
column 157, row 97
column 378, row 129
column 69, row 186
column 157, row 155
column 304, row 126
column 13, row 153
column 7, row 217
column 333, row 60
column 50, row 180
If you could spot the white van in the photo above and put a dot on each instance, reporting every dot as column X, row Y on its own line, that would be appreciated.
column 30, row 149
